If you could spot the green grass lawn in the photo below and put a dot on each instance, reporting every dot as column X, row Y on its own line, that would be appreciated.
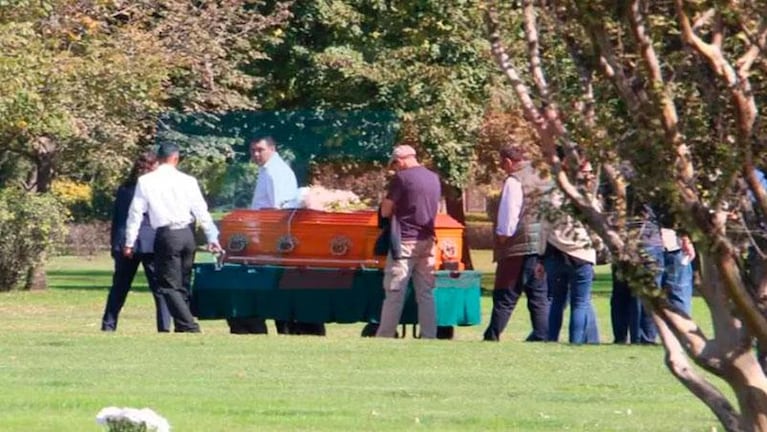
column 57, row 370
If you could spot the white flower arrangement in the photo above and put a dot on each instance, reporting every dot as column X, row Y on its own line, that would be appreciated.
column 329, row 200
column 132, row 420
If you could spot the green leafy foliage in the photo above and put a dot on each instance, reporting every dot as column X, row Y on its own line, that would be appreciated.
column 424, row 60
column 30, row 225
column 82, row 83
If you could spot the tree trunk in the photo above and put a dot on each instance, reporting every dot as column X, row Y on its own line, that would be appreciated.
column 454, row 207
column 43, row 174
column 36, row 280
column 677, row 362
column 750, row 386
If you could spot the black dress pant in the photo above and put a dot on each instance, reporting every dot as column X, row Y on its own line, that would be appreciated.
column 174, row 256
column 249, row 325
column 256, row 325
column 122, row 279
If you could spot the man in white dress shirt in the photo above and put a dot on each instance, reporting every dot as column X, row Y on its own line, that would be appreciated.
column 174, row 202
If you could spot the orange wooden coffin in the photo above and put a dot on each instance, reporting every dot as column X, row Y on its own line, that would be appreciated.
column 301, row 237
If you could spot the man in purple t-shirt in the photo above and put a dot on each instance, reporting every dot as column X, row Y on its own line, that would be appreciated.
column 412, row 202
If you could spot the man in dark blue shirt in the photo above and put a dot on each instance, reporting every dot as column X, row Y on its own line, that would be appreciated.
column 412, row 202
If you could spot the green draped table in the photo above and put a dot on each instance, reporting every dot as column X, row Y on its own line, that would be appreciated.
column 322, row 295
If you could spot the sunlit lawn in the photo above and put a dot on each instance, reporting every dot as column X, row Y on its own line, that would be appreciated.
column 57, row 370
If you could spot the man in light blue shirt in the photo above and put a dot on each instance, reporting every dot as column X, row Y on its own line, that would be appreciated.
column 276, row 187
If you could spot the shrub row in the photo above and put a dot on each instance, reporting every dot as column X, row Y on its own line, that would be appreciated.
column 86, row 239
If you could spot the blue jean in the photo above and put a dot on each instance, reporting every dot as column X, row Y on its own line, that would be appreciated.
column 677, row 281
column 627, row 312
column 573, row 278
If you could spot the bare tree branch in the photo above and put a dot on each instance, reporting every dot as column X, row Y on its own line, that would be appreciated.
column 703, row 19
column 534, row 52
column 745, row 62
column 502, row 58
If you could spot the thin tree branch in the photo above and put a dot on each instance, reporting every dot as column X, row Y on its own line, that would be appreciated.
column 757, row 47
column 502, row 58
column 703, row 18
column 534, row 52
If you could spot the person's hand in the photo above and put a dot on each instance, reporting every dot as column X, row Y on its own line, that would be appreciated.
column 540, row 271
column 688, row 248
column 214, row 247
column 127, row 252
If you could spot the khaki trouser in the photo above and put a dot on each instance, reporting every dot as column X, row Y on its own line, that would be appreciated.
column 417, row 260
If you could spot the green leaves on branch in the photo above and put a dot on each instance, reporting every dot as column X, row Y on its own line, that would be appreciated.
column 30, row 224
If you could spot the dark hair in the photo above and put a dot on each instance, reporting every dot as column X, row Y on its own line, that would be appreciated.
column 266, row 138
column 512, row 152
column 142, row 165
column 167, row 150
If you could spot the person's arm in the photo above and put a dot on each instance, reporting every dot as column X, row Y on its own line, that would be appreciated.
column 387, row 208
column 199, row 209
column 138, row 207
column 253, row 200
column 286, row 188
column 509, row 209
column 393, row 194
column 271, row 190
column 264, row 192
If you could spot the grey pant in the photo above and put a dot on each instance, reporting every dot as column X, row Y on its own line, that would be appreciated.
column 417, row 261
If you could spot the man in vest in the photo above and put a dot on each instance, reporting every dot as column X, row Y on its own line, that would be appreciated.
column 517, row 242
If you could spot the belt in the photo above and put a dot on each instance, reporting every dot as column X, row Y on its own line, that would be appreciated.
column 175, row 226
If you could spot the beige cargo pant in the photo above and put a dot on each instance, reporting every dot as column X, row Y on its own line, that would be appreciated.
column 417, row 260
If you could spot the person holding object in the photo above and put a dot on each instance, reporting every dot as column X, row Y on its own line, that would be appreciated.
column 411, row 202
column 125, row 267
column 174, row 202
column 517, row 242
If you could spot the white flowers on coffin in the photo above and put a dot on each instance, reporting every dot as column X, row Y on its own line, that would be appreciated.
column 132, row 419
column 329, row 200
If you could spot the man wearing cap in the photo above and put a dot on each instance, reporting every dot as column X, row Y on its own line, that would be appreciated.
column 411, row 202
column 517, row 244
column 173, row 202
